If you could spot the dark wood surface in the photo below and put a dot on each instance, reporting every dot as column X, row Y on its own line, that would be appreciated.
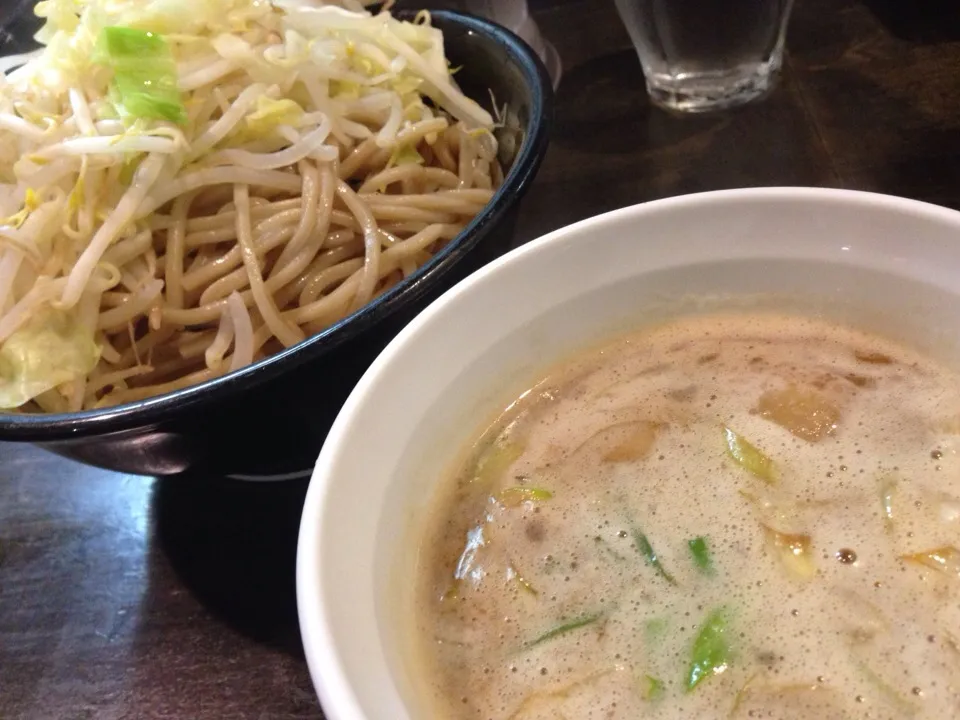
column 129, row 597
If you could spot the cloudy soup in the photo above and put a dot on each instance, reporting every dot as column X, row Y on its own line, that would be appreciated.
column 743, row 516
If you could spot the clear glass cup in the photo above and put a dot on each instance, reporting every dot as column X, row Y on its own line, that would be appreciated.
column 701, row 55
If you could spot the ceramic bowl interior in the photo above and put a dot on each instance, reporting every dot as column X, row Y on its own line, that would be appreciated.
column 885, row 264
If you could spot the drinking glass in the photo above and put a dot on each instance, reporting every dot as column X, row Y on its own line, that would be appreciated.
column 701, row 55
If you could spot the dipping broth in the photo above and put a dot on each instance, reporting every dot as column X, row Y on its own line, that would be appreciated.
column 744, row 516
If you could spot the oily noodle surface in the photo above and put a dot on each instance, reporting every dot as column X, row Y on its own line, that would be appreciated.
column 317, row 156
column 260, row 264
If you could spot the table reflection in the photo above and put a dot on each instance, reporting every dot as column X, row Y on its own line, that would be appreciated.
column 116, row 588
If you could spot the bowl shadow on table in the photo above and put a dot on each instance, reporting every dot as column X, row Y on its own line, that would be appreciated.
column 924, row 21
column 233, row 545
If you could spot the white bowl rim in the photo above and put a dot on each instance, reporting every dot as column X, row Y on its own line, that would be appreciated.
column 324, row 659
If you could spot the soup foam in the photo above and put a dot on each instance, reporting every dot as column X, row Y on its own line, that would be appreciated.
column 727, row 516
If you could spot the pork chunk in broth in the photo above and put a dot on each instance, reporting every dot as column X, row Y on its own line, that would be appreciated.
column 724, row 517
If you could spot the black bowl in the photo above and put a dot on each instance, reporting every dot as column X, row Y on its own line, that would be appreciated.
column 268, row 420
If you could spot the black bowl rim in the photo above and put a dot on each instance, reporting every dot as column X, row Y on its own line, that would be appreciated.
column 39, row 427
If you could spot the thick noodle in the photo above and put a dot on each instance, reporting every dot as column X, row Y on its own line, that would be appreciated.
column 190, row 251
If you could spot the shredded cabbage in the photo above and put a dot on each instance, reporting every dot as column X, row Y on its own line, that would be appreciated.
column 405, row 155
column 52, row 348
column 144, row 82
column 272, row 113
column 131, row 103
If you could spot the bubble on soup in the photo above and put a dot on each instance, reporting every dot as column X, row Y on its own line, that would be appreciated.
column 723, row 517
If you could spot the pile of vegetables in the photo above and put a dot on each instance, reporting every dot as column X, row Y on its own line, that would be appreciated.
column 130, row 104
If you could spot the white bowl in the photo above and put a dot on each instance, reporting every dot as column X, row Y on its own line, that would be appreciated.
column 889, row 264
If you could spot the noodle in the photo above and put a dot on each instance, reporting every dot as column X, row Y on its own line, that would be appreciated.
column 385, row 178
column 243, row 333
column 215, row 351
column 186, row 251
column 284, row 332
column 371, row 241
column 136, row 304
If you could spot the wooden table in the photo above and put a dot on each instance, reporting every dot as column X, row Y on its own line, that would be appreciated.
column 130, row 597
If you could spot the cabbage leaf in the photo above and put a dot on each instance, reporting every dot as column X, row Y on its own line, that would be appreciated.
column 52, row 348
